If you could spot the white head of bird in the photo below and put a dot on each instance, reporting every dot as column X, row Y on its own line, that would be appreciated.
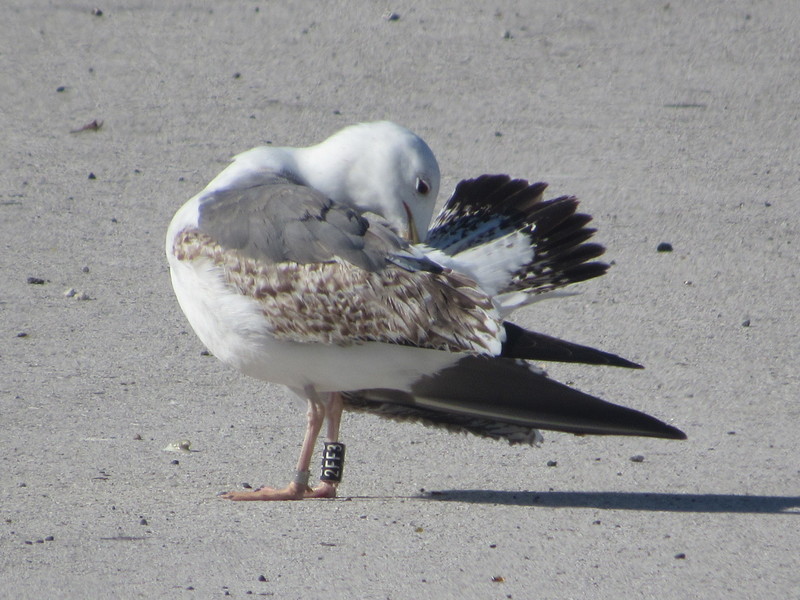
column 378, row 167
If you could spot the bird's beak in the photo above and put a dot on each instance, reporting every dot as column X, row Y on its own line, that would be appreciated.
column 412, row 235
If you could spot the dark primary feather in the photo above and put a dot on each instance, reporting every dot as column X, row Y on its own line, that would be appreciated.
column 529, row 345
column 502, row 398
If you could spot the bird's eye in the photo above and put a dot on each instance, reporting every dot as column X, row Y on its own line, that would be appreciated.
column 422, row 186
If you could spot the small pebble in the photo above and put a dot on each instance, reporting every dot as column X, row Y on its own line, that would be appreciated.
column 137, row 437
column 680, row 555
column 49, row 538
column 637, row 458
column 507, row 35
column 73, row 293
column 552, row 463
column 61, row 88
column 392, row 16
column 36, row 281
column 22, row 334
column 97, row 12
column 85, row 269
column 91, row 126
column 142, row 521
column 237, row 75
column 92, row 176
column 262, row 578
column 498, row 579
column 664, row 247
column 746, row 323
column 175, row 462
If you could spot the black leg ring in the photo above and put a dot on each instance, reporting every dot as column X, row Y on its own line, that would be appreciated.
column 332, row 462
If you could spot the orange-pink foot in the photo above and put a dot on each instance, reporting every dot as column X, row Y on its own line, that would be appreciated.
column 293, row 491
column 323, row 490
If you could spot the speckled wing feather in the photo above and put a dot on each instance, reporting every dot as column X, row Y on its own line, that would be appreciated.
column 488, row 208
column 322, row 273
column 482, row 209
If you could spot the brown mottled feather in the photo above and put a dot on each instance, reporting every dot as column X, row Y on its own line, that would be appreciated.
column 339, row 303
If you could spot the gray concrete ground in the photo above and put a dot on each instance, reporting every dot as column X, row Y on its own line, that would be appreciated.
column 673, row 122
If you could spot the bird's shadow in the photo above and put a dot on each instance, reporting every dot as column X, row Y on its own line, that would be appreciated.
column 641, row 501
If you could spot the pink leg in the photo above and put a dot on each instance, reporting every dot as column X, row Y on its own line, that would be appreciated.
column 295, row 490
column 327, row 489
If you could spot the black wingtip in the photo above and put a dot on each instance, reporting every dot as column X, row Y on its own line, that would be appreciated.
column 508, row 391
column 675, row 434
column 529, row 345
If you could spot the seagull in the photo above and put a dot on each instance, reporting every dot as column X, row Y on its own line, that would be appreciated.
column 318, row 268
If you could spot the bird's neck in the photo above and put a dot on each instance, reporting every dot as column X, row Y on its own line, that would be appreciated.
column 326, row 171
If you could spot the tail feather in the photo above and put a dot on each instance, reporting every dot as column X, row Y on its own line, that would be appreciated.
column 542, row 245
column 548, row 215
column 481, row 210
column 564, row 243
column 572, row 225
column 569, row 257
column 515, row 194
column 573, row 238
